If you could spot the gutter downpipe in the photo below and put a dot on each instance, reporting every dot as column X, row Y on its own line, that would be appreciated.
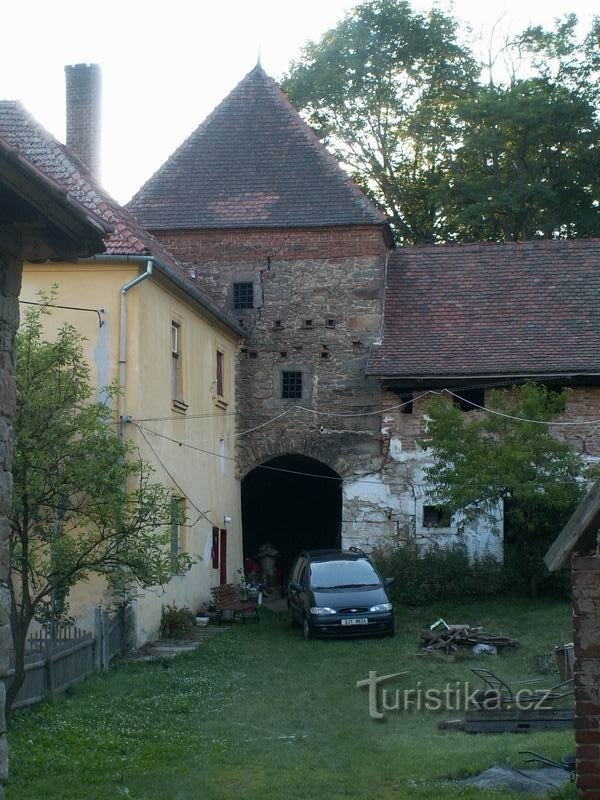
column 123, row 342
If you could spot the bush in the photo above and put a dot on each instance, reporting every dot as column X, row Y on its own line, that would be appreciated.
column 439, row 574
column 175, row 622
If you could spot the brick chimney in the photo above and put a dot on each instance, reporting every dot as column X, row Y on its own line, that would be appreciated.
column 84, row 88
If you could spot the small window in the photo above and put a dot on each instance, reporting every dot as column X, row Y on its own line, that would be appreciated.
column 242, row 323
column 244, row 352
column 406, row 398
column 283, row 354
column 243, row 295
column 330, row 323
column 436, row 517
column 177, row 526
column 325, row 352
column 253, row 354
column 278, row 323
column 220, row 372
column 469, row 399
column 291, row 385
column 176, row 364
column 308, row 323
column 357, row 344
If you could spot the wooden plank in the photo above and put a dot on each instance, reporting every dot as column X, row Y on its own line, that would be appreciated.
column 584, row 521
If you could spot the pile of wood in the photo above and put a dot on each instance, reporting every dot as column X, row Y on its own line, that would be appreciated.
column 447, row 639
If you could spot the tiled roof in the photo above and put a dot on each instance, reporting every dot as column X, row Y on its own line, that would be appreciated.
column 61, row 166
column 510, row 309
column 19, row 130
column 252, row 163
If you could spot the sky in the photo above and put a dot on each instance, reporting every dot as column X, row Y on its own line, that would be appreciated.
column 167, row 64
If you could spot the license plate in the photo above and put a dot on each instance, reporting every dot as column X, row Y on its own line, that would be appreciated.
column 357, row 621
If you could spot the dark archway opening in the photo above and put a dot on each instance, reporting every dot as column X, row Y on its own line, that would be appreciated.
column 293, row 502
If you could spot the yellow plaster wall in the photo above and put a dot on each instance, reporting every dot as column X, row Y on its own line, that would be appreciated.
column 207, row 481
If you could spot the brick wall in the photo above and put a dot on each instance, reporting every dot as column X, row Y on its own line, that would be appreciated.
column 83, row 89
column 10, row 279
column 586, row 633
column 291, row 243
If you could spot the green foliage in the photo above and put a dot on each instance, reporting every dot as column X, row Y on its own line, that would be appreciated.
column 482, row 460
column 439, row 574
column 83, row 502
column 380, row 87
column 175, row 622
column 528, row 164
column 399, row 97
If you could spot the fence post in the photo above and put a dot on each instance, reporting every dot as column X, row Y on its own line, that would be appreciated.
column 105, row 642
column 49, row 651
column 98, row 639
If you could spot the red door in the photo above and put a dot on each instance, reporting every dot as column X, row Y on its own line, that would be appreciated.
column 223, row 556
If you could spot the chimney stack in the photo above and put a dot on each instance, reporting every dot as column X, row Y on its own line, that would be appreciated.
column 84, row 87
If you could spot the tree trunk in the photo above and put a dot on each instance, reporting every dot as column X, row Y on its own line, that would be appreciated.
column 19, row 634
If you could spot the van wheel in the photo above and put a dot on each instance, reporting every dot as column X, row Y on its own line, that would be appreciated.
column 306, row 632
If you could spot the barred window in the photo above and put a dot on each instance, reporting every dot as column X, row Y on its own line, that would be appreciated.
column 243, row 295
column 291, row 385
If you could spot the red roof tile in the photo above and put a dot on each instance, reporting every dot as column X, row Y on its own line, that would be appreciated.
column 253, row 163
column 61, row 166
column 529, row 308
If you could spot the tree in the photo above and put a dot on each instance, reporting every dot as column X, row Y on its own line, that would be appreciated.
column 401, row 101
column 381, row 88
column 82, row 502
column 528, row 164
column 483, row 459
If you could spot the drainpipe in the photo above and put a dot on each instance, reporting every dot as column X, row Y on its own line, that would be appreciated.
column 123, row 342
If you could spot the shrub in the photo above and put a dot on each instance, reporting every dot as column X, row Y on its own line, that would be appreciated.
column 438, row 574
column 175, row 622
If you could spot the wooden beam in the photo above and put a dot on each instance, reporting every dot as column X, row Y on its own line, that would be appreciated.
column 584, row 523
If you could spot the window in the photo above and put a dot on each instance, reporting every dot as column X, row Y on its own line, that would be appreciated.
column 291, row 385
column 469, row 399
column 219, row 376
column 308, row 323
column 283, row 354
column 406, row 398
column 176, row 364
column 436, row 517
column 330, row 323
column 177, row 527
column 325, row 351
column 243, row 295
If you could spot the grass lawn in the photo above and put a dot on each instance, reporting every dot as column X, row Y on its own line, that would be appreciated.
column 257, row 713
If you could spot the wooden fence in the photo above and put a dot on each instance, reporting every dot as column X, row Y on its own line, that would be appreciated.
column 55, row 660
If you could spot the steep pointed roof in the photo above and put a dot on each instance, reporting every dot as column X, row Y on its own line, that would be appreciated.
column 252, row 163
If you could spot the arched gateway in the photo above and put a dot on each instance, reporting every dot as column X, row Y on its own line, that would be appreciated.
column 294, row 502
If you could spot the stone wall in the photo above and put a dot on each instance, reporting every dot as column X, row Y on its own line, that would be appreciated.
column 318, row 309
column 10, row 279
column 586, row 632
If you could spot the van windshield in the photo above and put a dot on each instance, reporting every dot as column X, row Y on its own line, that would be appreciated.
column 342, row 574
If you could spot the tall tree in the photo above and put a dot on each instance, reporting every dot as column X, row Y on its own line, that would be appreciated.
column 527, row 166
column 82, row 502
column 485, row 459
column 401, row 101
column 381, row 87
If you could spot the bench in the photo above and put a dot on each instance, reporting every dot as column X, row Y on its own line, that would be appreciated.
column 225, row 599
